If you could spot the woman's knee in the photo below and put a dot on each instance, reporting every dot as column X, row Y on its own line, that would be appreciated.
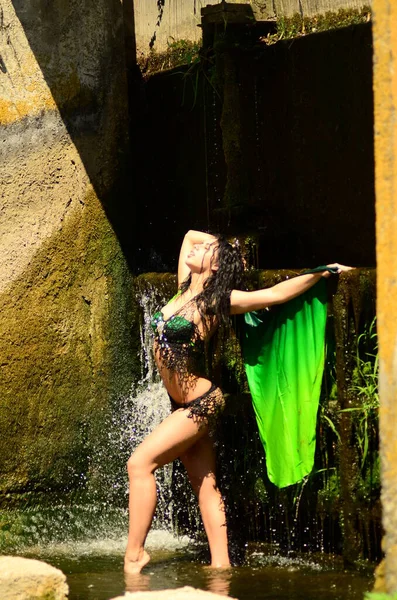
column 196, row 483
column 203, row 483
column 139, row 465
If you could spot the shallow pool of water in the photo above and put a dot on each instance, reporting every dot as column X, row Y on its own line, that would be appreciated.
column 94, row 571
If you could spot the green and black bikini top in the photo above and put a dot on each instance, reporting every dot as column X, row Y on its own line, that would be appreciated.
column 174, row 330
column 179, row 342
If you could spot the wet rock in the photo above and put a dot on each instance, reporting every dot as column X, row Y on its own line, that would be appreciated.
column 184, row 593
column 28, row 579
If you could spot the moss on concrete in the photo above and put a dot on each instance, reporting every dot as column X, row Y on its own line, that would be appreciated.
column 298, row 25
column 179, row 52
column 66, row 349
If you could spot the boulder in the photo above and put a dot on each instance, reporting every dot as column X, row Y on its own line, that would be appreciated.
column 28, row 579
column 184, row 593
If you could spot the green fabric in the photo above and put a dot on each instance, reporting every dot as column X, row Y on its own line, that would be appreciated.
column 283, row 351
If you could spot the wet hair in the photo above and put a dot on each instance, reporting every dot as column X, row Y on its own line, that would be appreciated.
column 213, row 302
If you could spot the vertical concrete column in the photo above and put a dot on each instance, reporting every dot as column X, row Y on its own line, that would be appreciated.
column 385, row 103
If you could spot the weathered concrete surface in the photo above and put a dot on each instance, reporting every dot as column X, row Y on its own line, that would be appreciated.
column 308, row 8
column 181, row 18
column 27, row 579
column 60, row 326
column 385, row 107
column 61, row 119
column 43, row 182
column 64, row 283
column 185, row 593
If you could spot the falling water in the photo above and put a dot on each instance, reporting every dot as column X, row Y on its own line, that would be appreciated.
column 132, row 418
column 96, row 517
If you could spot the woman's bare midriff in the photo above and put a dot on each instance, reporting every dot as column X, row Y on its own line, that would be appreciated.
column 181, row 392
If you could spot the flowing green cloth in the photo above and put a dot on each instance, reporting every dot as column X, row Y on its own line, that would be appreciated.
column 283, row 351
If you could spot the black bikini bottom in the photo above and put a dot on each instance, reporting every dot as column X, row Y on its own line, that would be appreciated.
column 206, row 408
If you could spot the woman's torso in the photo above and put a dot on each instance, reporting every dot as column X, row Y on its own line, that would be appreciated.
column 180, row 348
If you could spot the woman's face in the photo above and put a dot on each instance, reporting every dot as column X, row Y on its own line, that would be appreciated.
column 202, row 258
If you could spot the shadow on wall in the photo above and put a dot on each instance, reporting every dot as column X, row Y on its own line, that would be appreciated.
column 306, row 124
column 316, row 144
column 306, row 182
column 82, row 51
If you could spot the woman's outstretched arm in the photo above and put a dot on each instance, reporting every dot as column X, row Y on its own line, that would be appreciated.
column 242, row 302
column 191, row 238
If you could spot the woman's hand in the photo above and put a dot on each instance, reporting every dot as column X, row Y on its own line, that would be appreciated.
column 242, row 302
column 191, row 238
column 340, row 269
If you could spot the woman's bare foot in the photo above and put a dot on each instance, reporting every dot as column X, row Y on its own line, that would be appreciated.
column 135, row 566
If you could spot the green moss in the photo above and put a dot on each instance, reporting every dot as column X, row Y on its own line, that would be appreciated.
column 261, row 493
column 65, row 348
column 158, row 285
column 297, row 25
column 329, row 496
column 179, row 52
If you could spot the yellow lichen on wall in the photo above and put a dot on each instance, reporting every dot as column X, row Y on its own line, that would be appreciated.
column 385, row 108
column 26, row 88
column 23, row 89
column 14, row 111
column 67, row 90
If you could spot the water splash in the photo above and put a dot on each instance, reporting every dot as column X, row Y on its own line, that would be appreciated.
column 158, row 541
column 96, row 517
column 131, row 419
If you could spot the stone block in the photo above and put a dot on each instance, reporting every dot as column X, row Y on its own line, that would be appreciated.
column 28, row 579
column 184, row 593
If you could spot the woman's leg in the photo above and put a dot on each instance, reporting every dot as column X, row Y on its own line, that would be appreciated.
column 168, row 441
column 199, row 461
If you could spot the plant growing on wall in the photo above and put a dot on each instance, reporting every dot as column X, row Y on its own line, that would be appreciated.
column 365, row 386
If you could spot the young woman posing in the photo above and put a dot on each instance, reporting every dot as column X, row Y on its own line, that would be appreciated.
column 210, row 271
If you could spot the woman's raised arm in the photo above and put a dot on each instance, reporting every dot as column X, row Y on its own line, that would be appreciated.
column 191, row 238
column 242, row 302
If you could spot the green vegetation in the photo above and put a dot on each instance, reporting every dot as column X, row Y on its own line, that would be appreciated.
column 178, row 53
column 297, row 25
column 363, row 390
column 365, row 386
column 185, row 52
column 379, row 596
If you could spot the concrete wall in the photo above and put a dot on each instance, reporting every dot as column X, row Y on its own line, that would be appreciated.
column 385, row 105
column 309, row 8
column 63, row 278
column 181, row 18
column 304, row 185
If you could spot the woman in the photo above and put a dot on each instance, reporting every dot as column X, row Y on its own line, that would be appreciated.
column 209, row 272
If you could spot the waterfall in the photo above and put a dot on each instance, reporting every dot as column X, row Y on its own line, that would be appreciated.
column 93, row 519
column 132, row 418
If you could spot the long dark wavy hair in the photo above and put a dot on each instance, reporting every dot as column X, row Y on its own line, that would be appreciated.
column 213, row 302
